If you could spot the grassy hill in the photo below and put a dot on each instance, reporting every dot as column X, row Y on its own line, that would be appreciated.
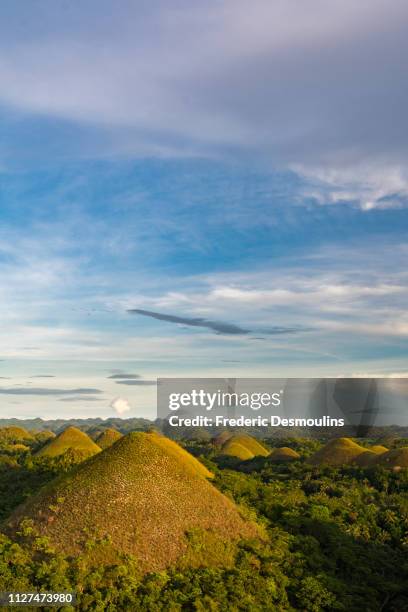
column 147, row 496
column 243, row 447
column 108, row 437
column 378, row 449
column 222, row 438
column 339, row 451
column 18, row 447
column 71, row 438
column 234, row 449
column 44, row 436
column 283, row 454
column 14, row 434
column 191, row 464
column 397, row 457
column 370, row 456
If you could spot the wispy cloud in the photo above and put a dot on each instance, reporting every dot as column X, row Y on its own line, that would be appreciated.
column 217, row 326
column 174, row 81
column 43, row 376
column 46, row 392
column 220, row 327
column 137, row 383
column 141, row 176
column 122, row 376
column 374, row 185
column 83, row 398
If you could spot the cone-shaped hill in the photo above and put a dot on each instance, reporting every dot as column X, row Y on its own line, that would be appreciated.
column 108, row 437
column 378, row 449
column 18, row 447
column 397, row 457
column 70, row 439
column 222, row 438
column 339, row 451
column 243, row 447
column 370, row 456
column 284, row 454
column 144, row 495
column 14, row 434
column 44, row 436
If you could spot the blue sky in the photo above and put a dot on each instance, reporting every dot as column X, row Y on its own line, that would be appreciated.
column 198, row 163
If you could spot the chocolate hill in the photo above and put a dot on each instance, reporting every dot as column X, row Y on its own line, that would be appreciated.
column 339, row 451
column 70, row 439
column 370, row 456
column 108, row 437
column 284, row 454
column 243, row 447
column 395, row 458
column 44, row 436
column 222, row 438
column 145, row 496
column 14, row 434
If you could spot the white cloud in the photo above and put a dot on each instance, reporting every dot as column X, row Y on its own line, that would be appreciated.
column 120, row 406
column 367, row 185
column 317, row 292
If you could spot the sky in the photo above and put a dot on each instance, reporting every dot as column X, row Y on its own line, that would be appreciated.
column 198, row 189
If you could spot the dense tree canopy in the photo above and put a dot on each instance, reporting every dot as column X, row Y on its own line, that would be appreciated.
column 337, row 540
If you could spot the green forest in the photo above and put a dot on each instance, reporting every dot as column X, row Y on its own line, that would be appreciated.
column 296, row 524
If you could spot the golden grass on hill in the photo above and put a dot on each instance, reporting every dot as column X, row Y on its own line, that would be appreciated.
column 370, row 456
column 14, row 434
column 108, row 437
column 244, row 447
column 366, row 459
column 18, row 448
column 190, row 462
column 339, row 451
column 283, row 454
column 70, row 438
column 232, row 448
column 44, row 436
column 378, row 449
column 143, row 495
column 397, row 457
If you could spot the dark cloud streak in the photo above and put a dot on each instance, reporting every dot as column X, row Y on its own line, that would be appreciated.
column 84, row 398
column 138, row 383
column 43, row 376
column 47, row 392
column 217, row 326
column 122, row 376
column 220, row 327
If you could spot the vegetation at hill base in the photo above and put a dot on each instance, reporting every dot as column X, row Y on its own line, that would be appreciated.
column 336, row 534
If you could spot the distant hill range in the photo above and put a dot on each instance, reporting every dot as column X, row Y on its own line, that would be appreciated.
column 96, row 426
column 88, row 425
